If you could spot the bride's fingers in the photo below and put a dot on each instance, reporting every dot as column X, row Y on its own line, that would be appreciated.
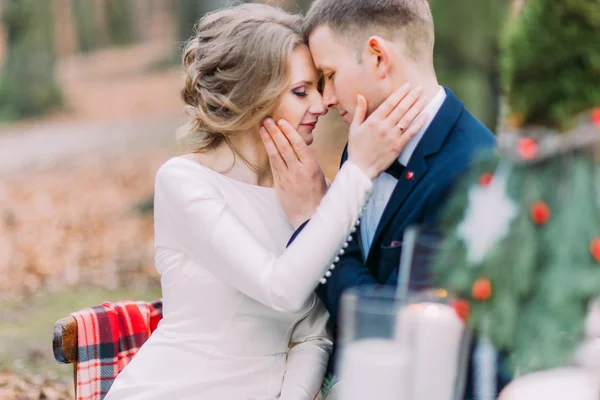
column 281, row 142
column 404, row 106
column 412, row 130
column 360, row 113
column 275, row 158
column 298, row 144
column 389, row 104
column 412, row 113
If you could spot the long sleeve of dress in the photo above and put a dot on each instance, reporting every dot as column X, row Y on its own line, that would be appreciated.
column 199, row 215
column 311, row 345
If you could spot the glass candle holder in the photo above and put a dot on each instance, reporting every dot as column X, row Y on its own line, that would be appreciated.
column 372, row 362
column 439, row 342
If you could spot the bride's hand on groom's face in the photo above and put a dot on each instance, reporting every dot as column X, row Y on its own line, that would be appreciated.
column 298, row 177
column 375, row 142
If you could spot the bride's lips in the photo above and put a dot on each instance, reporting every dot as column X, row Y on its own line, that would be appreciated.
column 309, row 125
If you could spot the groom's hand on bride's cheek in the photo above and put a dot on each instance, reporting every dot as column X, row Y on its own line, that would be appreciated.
column 298, row 177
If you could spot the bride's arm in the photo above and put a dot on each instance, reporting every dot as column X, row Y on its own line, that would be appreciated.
column 307, row 359
column 202, row 221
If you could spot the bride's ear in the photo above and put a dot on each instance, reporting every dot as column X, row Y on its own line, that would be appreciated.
column 378, row 56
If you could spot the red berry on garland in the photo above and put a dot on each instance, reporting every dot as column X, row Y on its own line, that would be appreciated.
column 462, row 308
column 485, row 179
column 540, row 212
column 482, row 289
column 596, row 116
column 527, row 148
column 595, row 248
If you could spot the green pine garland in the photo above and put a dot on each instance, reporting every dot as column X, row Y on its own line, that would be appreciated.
column 543, row 273
column 542, row 276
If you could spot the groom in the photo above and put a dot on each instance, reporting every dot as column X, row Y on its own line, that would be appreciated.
column 373, row 47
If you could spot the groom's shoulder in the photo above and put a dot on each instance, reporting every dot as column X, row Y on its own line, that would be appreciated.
column 467, row 138
column 469, row 134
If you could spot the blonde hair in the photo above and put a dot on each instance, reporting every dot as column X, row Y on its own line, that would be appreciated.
column 236, row 69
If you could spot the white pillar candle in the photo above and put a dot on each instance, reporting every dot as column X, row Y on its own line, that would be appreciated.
column 435, row 335
column 374, row 369
column 556, row 384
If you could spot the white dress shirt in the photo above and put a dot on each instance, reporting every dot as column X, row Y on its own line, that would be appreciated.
column 384, row 184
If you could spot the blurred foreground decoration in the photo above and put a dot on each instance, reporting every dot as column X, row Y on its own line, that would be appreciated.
column 524, row 227
column 28, row 85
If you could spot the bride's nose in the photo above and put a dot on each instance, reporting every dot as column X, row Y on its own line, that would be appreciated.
column 317, row 108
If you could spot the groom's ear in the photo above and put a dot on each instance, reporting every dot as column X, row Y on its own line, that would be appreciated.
column 378, row 56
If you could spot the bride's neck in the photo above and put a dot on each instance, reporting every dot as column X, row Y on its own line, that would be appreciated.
column 250, row 148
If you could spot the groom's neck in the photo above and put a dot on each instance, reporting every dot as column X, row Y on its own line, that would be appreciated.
column 426, row 79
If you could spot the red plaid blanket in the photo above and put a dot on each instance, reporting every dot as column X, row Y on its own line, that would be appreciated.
column 108, row 337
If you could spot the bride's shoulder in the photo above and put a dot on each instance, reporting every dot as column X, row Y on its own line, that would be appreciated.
column 184, row 174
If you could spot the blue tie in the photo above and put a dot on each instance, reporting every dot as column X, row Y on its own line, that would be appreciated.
column 395, row 170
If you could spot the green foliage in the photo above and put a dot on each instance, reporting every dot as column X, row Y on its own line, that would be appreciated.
column 466, row 52
column 542, row 276
column 551, row 69
column 28, row 86
column 328, row 384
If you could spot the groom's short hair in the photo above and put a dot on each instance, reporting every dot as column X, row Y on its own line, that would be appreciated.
column 407, row 20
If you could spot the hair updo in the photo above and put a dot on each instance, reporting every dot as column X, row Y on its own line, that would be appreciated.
column 236, row 69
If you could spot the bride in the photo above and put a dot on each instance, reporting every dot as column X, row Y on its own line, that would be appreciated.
column 240, row 319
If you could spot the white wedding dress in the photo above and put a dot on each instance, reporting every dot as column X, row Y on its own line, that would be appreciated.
column 234, row 297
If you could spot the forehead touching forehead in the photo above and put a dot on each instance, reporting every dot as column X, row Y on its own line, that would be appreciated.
column 329, row 49
column 301, row 65
column 406, row 22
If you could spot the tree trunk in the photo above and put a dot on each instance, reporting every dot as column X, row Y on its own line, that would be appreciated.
column 89, row 35
column 190, row 11
column 28, row 85
column 466, row 52
column 119, row 20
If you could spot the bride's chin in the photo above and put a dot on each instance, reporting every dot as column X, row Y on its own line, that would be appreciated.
column 308, row 139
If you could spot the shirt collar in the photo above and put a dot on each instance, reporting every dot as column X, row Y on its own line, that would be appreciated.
column 431, row 109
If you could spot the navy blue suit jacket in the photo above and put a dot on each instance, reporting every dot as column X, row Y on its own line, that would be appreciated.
column 444, row 152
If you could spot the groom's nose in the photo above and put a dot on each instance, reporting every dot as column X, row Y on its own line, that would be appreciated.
column 329, row 99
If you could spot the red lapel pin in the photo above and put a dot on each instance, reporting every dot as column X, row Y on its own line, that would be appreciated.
column 410, row 175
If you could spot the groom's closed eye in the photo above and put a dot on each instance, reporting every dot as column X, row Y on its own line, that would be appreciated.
column 321, row 84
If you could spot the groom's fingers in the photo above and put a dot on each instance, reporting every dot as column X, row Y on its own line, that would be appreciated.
column 281, row 142
column 275, row 158
column 298, row 144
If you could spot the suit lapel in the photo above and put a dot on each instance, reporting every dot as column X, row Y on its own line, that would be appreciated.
column 431, row 143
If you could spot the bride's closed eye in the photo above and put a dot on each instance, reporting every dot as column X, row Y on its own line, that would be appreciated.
column 300, row 92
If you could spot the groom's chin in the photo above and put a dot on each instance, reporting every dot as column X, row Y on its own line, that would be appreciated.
column 346, row 117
